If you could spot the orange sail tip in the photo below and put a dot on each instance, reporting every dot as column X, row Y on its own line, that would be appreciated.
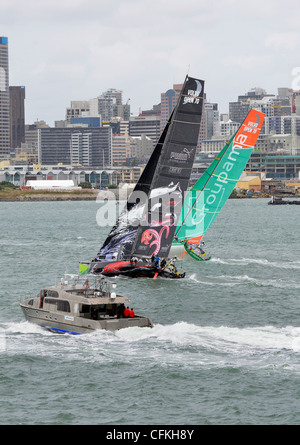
column 195, row 240
column 249, row 131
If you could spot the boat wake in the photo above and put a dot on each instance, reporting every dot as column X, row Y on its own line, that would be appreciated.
column 183, row 333
column 261, row 262
column 231, row 281
column 180, row 344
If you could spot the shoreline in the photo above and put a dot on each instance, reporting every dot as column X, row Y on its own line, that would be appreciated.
column 48, row 198
column 78, row 197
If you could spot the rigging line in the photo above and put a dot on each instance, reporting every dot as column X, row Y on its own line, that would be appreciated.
column 219, row 159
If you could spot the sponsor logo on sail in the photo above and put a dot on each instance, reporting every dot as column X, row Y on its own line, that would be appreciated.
column 193, row 96
column 182, row 156
column 252, row 127
column 244, row 139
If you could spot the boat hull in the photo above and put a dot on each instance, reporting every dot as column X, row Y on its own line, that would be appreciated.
column 178, row 250
column 127, row 269
column 62, row 323
column 283, row 202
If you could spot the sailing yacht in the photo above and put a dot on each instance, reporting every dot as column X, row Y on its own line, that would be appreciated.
column 207, row 197
column 147, row 225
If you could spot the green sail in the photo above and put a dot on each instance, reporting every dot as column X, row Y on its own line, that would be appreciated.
column 206, row 198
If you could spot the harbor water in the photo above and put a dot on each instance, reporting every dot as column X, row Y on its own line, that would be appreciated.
column 224, row 349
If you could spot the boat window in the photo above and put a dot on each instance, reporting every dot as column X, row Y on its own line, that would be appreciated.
column 52, row 293
column 62, row 305
column 30, row 302
column 85, row 309
column 50, row 301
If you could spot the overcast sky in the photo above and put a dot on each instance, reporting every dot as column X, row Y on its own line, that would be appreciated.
column 63, row 50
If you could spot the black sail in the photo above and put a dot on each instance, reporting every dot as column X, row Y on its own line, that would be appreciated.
column 148, row 222
column 172, row 173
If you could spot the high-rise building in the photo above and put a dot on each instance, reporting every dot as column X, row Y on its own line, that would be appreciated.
column 141, row 148
column 81, row 148
column 4, row 98
column 168, row 102
column 17, row 116
column 212, row 118
column 120, row 149
column 78, row 108
column 83, row 145
column 145, row 124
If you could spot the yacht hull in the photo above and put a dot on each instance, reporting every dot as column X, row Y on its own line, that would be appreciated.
column 62, row 323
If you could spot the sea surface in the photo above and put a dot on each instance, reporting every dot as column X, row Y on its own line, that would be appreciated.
column 224, row 349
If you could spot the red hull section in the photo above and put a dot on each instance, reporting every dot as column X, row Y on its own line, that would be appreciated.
column 115, row 267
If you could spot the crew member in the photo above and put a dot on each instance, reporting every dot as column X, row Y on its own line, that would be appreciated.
column 126, row 312
column 131, row 313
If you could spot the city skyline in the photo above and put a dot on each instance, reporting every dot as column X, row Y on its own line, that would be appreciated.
column 63, row 51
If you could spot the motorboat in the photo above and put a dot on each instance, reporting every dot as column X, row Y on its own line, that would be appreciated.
column 80, row 307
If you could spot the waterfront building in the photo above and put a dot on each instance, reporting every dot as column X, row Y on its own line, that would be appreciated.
column 282, row 166
column 4, row 98
column 21, row 174
column 92, row 145
column 130, row 175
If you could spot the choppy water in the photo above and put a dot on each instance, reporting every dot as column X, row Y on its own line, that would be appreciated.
column 225, row 347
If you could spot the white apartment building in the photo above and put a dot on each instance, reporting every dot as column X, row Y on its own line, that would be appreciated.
column 141, row 147
column 81, row 148
column 228, row 128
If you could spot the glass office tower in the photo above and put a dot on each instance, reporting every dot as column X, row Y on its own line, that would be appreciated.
column 4, row 98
